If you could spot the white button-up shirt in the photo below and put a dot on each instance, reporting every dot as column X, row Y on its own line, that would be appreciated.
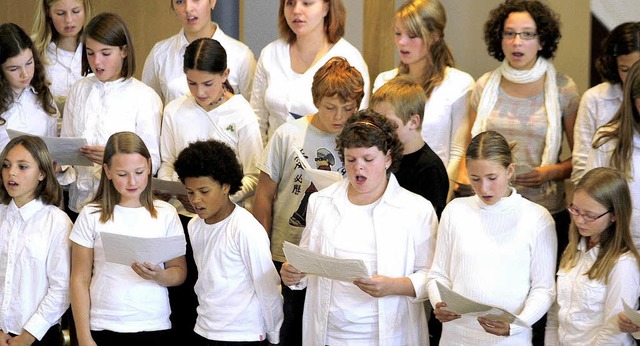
column 586, row 310
column 34, row 267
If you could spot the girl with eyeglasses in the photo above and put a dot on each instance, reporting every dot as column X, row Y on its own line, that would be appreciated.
column 599, row 268
column 615, row 143
column 528, row 102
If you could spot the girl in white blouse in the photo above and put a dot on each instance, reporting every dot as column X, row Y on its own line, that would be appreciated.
column 57, row 34
column 106, row 101
column 310, row 34
column 424, row 55
column 600, row 268
column 26, row 104
column 163, row 67
column 34, row 251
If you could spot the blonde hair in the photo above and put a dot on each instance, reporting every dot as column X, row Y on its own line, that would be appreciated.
column 107, row 196
column 491, row 146
column 404, row 95
column 426, row 19
column 43, row 31
column 609, row 188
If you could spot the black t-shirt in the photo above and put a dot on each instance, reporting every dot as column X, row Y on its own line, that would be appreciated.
column 423, row 173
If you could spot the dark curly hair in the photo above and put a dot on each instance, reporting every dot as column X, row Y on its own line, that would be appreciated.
column 211, row 159
column 547, row 24
column 367, row 129
column 13, row 40
column 622, row 40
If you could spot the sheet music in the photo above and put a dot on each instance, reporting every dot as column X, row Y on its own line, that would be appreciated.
column 313, row 263
column 465, row 306
column 166, row 186
column 633, row 315
column 63, row 150
column 125, row 249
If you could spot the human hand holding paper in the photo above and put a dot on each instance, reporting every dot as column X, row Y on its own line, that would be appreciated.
column 313, row 263
column 464, row 306
column 632, row 323
column 127, row 250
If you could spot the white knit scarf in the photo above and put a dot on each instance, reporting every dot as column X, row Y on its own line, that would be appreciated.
column 553, row 137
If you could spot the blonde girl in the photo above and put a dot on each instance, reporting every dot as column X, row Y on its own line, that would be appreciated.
column 57, row 36
column 599, row 268
column 424, row 56
column 34, row 251
column 113, row 303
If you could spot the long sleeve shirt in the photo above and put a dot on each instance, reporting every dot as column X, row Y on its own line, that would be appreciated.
column 35, row 267
column 502, row 255
column 586, row 312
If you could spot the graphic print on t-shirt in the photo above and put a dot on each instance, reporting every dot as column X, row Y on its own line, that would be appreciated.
column 324, row 161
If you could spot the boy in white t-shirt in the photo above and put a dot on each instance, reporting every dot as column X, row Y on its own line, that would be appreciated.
column 238, row 287
column 283, row 191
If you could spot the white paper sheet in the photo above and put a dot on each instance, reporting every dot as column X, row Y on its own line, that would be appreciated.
column 633, row 315
column 171, row 187
column 313, row 263
column 125, row 249
column 63, row 150
column 320, row 178
column 465, row 306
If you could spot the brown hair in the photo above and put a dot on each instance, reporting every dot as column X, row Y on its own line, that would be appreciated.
column 107, row 196
column 609, row 188
column 366, row 129
column 547, row 26
column 48, row 190
column 624, row 124
column 337, row 77
column 111, row 30
column 13, row 40
column 491, row 146
column 334, row 22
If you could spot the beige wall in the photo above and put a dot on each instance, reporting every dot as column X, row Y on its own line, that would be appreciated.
column 152, row 20
column 148, row 20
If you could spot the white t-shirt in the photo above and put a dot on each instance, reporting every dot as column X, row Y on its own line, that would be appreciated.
column 279, row 94
column 96, row 110
column 122, row 301
column 238, row 287
column 233, row 123
column 163, row 69
column 279, row 161
column 27, row 115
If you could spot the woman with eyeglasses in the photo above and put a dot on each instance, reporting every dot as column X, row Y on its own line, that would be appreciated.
column 528, row 102
column 600, row 268
column 616, row 144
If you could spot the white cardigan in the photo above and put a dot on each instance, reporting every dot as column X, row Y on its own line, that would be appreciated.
column 405, row 226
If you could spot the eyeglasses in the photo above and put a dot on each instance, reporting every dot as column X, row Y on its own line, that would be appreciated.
column 525, row 35
column 586, row 217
